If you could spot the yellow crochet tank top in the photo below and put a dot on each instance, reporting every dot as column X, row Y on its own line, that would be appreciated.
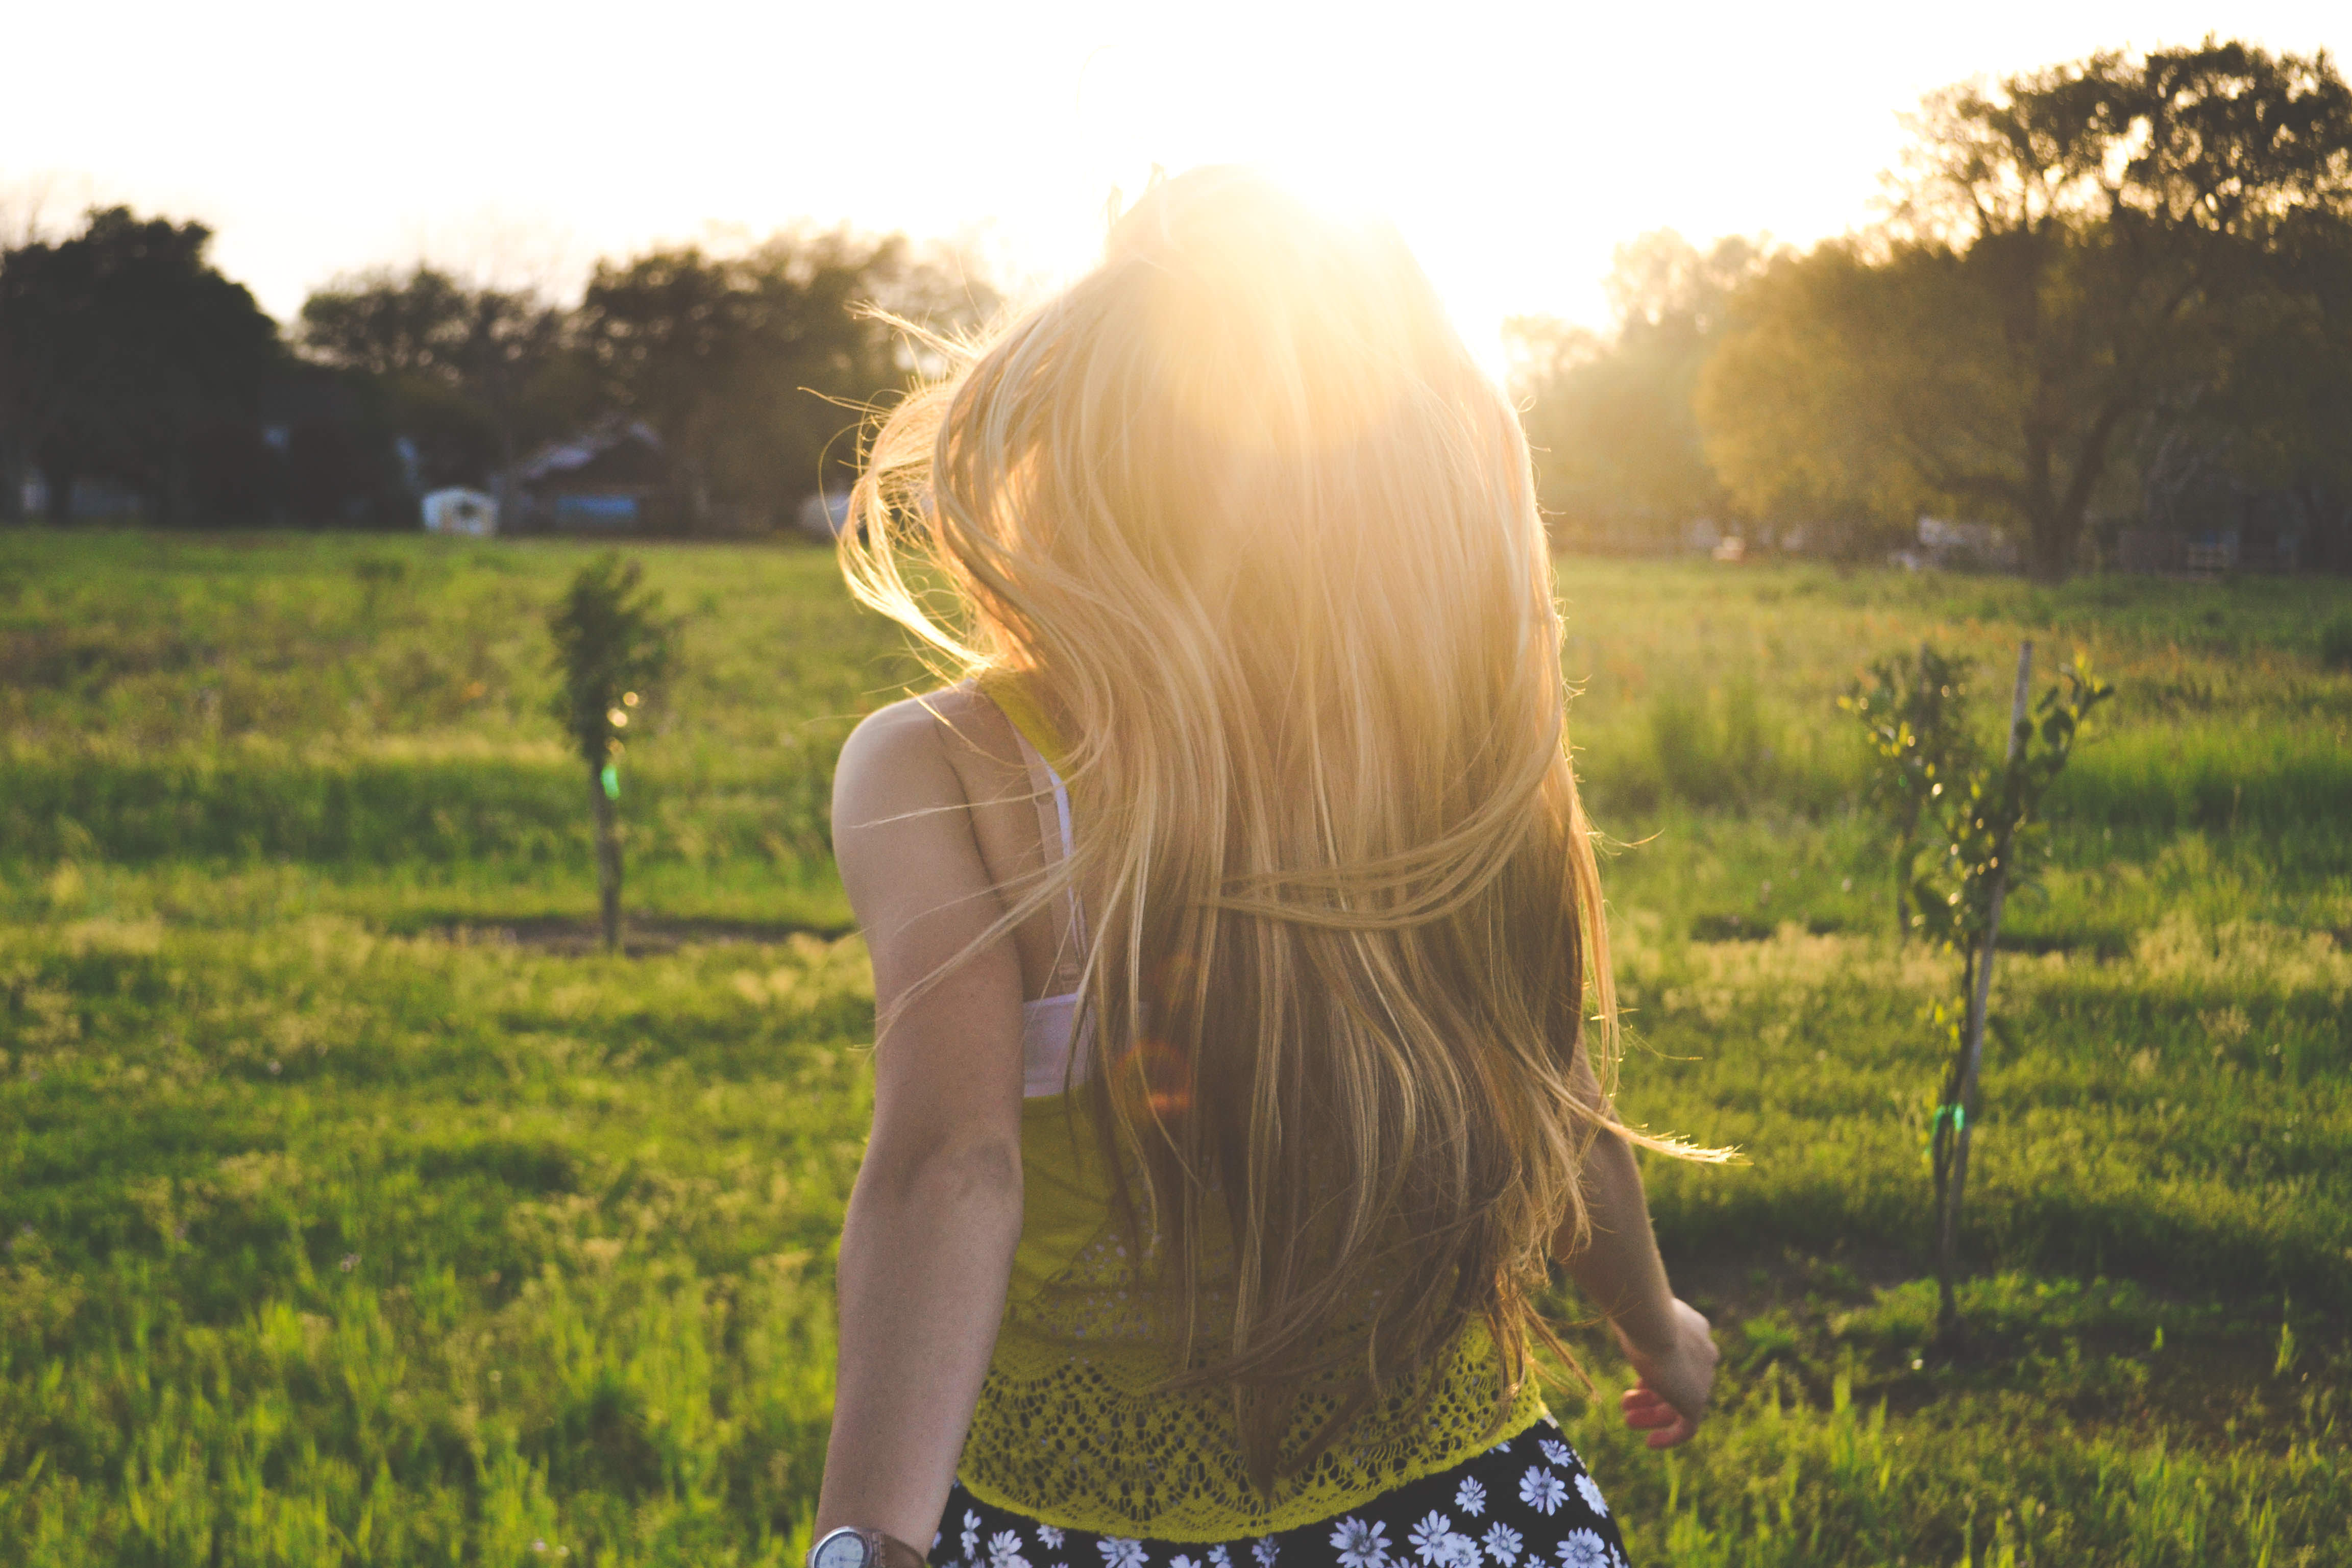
column 1071, row 1427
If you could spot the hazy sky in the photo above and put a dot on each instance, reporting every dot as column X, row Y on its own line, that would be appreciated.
column 1515, row 144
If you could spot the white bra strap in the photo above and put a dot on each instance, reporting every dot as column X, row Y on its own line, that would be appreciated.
column 1061, row 808
column 1038, row 764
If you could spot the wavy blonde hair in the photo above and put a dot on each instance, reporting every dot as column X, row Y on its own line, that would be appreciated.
column 1259, row 538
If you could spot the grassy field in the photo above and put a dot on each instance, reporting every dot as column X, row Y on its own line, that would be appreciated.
column 356, row 1211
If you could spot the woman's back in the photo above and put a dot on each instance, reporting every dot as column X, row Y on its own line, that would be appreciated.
column 1075, row 1424
column 1252, row 815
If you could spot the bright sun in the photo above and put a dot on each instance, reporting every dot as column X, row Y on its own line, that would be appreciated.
column 1323, row 131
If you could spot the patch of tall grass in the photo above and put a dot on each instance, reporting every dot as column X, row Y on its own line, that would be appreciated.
column 1726, row 748
column 2271, row 780
column 522, row 807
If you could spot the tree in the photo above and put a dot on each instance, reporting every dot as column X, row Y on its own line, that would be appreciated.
column 1805, row 405
column 2071, row 255
column 753, row 365
column 118, row 345
column 2274, row 413
column 1617, row 445
column 612, row 649
column 459, row 359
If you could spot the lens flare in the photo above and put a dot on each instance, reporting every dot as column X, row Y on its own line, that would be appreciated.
column 1155, row 1079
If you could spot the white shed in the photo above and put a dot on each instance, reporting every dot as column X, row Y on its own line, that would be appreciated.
column 460, row 510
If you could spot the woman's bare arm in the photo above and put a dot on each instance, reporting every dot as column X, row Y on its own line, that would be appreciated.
column 1619, row 1270
column 927, row 1246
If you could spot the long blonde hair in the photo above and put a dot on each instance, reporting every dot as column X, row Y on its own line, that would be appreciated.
column 1259, row 537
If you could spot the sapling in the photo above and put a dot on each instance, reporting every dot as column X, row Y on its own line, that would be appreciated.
column 612, row 649
column 1964, row 831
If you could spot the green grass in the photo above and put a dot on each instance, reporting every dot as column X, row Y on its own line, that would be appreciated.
column 354, row 1212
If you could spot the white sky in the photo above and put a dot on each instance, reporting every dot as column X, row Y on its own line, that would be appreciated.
column 1514, row 143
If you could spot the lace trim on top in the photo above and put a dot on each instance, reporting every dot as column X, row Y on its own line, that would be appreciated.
column 1074, row 1427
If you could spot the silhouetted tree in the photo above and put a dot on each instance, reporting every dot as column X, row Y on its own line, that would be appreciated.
column 2274, row 411
column 117, row 345
column 475, row 372
column 751, row 366
column 2080, row 250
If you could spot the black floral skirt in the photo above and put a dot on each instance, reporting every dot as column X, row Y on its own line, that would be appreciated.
column 1526, row 1502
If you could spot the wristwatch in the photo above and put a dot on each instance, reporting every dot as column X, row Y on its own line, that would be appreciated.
column 852, row 1548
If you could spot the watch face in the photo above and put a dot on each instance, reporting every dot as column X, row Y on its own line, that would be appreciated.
column 842, row 1548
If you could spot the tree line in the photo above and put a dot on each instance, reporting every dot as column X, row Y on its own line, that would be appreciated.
column 2098, row 290
column 2093, row 284
column 126, row 356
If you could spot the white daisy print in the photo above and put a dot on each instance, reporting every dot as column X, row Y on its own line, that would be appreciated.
column 1004, row 1551
column 1557, row 1452
column 1541, row 1490
column 1360, row 1545
column 970, row 1536
column 1461, row 1551
column 1050, row 1537
column 1220, row 1558
column 1470, row 1497
column 1590, row 1490
column 1181, row 1562
column 1503, row 1544
column 1264, row 1548
column 1117, row 1552
column 1428, row 1537
column 1583, row 1549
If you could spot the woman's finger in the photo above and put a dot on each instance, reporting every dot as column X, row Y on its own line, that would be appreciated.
column 1679, row 1431
column 1647, row 1410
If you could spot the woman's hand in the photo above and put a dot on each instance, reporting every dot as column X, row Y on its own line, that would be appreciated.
column 1677, row 1374
column 1614, row 1262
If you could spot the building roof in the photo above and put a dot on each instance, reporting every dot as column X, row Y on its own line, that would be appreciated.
column 615, row 449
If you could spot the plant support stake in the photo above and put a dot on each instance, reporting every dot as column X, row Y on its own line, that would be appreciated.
column 603, row 789
column 1964, row 1089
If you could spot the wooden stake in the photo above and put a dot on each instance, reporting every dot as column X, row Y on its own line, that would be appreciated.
column 1964, row 1091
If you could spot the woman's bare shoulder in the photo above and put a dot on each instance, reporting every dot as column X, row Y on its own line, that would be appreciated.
column 912, row 820
column 944, row 748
